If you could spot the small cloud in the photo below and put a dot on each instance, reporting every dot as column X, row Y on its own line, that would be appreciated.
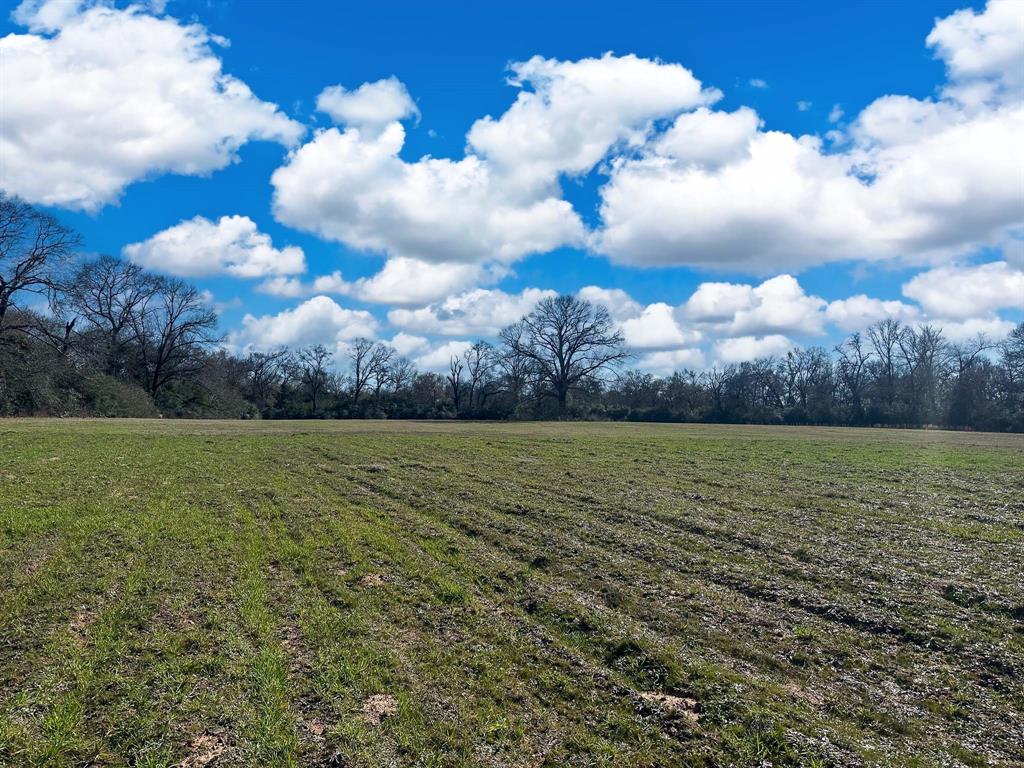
column 757, row 82
column 803, row 106
column 836, row 114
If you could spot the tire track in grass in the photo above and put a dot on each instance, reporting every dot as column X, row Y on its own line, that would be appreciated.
column 62, row 595
column 268, row 731
column 595, row 639
column 373, row 483
column 419, row 501
column 52, row 720
column 489, row 622
column 414, row 582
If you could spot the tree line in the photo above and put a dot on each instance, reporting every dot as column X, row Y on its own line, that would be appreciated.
column 106, row 337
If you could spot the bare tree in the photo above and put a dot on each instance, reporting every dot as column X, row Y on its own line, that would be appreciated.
column 480, row 363
column 516, row 368
column 172, row 327
column 964, row 354
column 380, row 368
column 455, row 366
column 369, row 362
column 314, row 364
column 34, row 251
column 885, row 340
column 854, row 373
column 264, row 373
column 925, row 356
column 403, row 372
column 108, row 294
column 567, row 340
column 808, row 369
column 1012, row 354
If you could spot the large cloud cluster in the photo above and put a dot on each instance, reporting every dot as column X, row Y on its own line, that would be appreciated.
column 95, row 98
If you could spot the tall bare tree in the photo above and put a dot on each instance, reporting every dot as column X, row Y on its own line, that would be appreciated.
column 480, row 363
column 885, row 338
column 34, row 252
column 853, row 367
column 455, row 367
column 172, row 328
column 264, row 373
column 380, row 368
column 567, row 340
column 108, row 294
column 403, row 371
column 314, row 363
column 369, row 363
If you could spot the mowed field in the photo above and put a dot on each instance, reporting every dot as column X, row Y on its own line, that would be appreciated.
column 454, row 594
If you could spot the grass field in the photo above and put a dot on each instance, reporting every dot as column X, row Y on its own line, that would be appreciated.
column 396, row 594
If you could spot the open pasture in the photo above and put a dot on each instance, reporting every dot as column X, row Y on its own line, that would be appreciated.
column 367, row 594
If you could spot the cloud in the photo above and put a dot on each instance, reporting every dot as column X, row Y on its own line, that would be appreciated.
column 576, row 111
column 656, row 327
column 407, row 343
column 860, row 311
column 411, row 281
column 96, row 98
column 960, row 292
column 371, row 105
column 835, row 114
column 199, row 247
column 437, row 358
column 709, row 138
column 318, row 320
column 353, row 188
column 917, row 179
column 666, row 362
column 987, row 46
column 776, row 305
column 958, row 331
column 743, row 348
column 501, row 201
column 757, row 82
column 620, row 305
column 401, row 281
column 804, row 106
column 479, row 312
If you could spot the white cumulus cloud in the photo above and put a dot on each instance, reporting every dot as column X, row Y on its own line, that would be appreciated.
column 232, row 245
column 319, row 320
column 919, row 179
column 401, row 281
column 960, row 292
column 860, row 311
column 373, row 105
column 743, row 348
column 501, row 201
column 354, row 188
column 479, row 312
column 437, row 358
column 96, row 97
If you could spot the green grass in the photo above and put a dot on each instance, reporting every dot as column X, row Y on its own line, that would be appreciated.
column 233, row 594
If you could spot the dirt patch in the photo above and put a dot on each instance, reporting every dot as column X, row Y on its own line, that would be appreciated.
column 203, row 751
column 372, row 580
column 813, row 698
column 677, row 707
column 378, row 707
column 316, row 728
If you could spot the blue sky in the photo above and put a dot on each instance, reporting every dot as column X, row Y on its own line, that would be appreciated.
column 796, row 65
